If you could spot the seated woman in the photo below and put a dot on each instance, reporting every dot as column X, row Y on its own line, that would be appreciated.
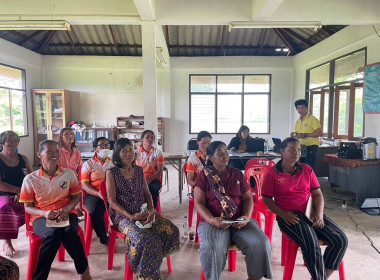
column 51, row 193
column 92, row 177
column 221, row 193
column 152, row 161
column 197, row 161
column 128, row 193
column 70, row 156
column 239, row 143
column 291, row 184
column 13, row 168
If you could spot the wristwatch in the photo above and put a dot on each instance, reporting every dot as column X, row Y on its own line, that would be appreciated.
column 305, row 135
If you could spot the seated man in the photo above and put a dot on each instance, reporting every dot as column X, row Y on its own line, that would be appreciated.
column 51, row 193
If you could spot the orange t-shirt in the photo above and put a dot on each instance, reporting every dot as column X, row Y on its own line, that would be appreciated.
column 94, row 171
column 50, row 193
column 149, row 161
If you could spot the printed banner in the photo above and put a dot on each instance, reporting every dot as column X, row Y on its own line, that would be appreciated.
column 371, row 94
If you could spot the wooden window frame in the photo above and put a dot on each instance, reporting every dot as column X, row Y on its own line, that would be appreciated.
column 351, row 111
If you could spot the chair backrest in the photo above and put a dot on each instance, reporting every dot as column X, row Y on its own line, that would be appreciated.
column 103, row 190
column 28, row 225
column 185, row 172
column 258, row 162
column 257, row 172
column 192, row 144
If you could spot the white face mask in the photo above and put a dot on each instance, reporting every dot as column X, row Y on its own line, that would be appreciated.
column 103, row 153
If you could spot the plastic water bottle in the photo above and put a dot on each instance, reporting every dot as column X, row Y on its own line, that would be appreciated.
column 185, row 228
column 266, row 146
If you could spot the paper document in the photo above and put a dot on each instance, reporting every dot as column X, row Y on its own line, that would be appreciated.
column 58, row 224
column 235, row 221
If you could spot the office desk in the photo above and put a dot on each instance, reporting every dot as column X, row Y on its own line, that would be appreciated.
column 246, row 155
column 175, row 159
column 355, row 175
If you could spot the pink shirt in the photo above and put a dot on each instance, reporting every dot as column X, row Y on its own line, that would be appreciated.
column 73, row 162
column 290, row 192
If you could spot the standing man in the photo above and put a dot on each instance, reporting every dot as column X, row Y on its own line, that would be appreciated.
column 307, row 130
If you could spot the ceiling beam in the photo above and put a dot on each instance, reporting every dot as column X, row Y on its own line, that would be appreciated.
column 327, row 30
column 222, row 40
column 297, row 36
column 262, row 40
column 146, row 9
column 31, row 36
column 72, row 42
column 114, row 40
column 214, row 47
column 46, row 40
column 285, row 40
column 262, row 10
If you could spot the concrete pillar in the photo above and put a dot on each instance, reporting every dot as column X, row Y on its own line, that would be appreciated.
column 148, row 30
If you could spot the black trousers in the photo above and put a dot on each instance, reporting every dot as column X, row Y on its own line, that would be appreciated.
column 307, row 237
column 154, row 188
column 52, row 239
column 96, row 208
column 311, row 155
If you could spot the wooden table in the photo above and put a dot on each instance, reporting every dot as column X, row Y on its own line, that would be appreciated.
column 175, row 159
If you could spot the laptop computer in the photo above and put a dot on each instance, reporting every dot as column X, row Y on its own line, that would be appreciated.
column 255, row 145
column 277, row 144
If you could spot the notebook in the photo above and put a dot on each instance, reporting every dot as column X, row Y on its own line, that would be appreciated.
column 277, row 144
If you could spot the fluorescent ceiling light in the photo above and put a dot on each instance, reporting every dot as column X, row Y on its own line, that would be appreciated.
column 160, row 56
column 285, row 49
column 35, row 25
column 277, row 49
column 274, row 24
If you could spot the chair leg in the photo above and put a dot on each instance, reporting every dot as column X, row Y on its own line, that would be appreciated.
column 291, row 253
column 269, row 221
column 34, row 251
column 128, row 274
column 232, row 260
column 196, row 229
column 61, row 253
column 191, row 210
column 342, row 275
column 167, row 179
column 88, row 235
column 284, row 244
column 111, row 249
column 202, row 275
column 168, row 260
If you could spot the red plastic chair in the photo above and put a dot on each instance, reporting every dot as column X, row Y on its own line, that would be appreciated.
column 259, row 162
column 258, row 172
column 231, row 260
column 288, row 257
column 191, row 208
column 88, row 227
column 115, row 233
column 34, row 247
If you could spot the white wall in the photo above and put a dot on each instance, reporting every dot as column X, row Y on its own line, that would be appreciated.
column 31, row 62
column 101, row 87
column 345, row 41
column 279, row 67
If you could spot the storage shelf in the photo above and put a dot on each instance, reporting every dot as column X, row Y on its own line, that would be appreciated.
column 122, row 130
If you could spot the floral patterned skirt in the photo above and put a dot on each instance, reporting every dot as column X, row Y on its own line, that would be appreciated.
column 145, row 248
column 8, row 269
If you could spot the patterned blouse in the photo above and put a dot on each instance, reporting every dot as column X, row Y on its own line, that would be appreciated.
column 129, row 192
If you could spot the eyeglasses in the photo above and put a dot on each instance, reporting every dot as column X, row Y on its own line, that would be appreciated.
column 104, row 146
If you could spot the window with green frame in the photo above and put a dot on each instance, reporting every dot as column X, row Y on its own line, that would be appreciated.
column 13, row 100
